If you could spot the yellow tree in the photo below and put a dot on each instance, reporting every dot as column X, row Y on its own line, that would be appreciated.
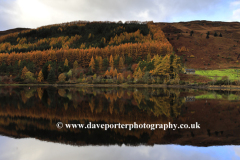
column 148, row 57
column 111, row 63
column 176, row 65
column 157, row 60
column 138, row 74
column 24, row 71
column 120, row 77
column 19, row 63
column 92, row 63
column 40, row 76
column 121, row 63
column 163, row 68
column 100, row 63
column 107, row 73
column 111, row 72
column 115, row 73
column 66, row 62
column 75, row 65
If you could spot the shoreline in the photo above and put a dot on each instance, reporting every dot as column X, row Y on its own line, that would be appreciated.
column 210, row 87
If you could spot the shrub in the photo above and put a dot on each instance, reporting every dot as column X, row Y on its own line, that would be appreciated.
column 134, row 66
column 18, row 79
column 29, row 77
column 69, row 74
column 62, row 77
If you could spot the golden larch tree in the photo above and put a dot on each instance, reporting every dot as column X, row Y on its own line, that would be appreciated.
column 148, row 57
column 66, row 62
column 111, row 62
column 115, row 73
column 92, row 63
column 100, row 63
column 40, row 76
column 24, row 71
column 75, row 65
column 121, row 63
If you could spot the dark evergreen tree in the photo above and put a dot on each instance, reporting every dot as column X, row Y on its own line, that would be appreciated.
column 96, row 66
column 9, row 69
column 105, row 63
column 128, row 60
column 191, row 33
column 3, row 67
column 66, row 68
column 45, row 70
column 116, row 62
column 51, row 76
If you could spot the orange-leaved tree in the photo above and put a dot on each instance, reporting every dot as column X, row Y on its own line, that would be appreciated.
column 92, row 63
column 111, row 62
column 24, row 71
column 40, row 76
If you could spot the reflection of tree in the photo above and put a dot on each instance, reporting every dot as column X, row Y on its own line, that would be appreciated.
column 120, row 93
column 62, row 92
column 138, row 96
column 100, row 106
column 92, row 105
column 23, row 96
column 163, row 106
column 107, row 101
column 65, row 106
column 40, row 93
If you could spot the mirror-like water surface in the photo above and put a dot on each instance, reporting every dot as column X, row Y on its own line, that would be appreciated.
column 29, row 116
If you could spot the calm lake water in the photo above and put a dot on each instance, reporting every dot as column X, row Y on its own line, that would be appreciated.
column 28, row 119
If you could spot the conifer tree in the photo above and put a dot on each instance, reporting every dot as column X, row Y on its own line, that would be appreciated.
column 66, row 62
column 92, row 63
column 105, row 64
column 138, row 74
column 148, row 57
column 75, row 65
column 100, row 63
column 40, row 76
column 24, row 71
column 115, row 72
column 121, row 63
column 51, row 76
column 111, row 62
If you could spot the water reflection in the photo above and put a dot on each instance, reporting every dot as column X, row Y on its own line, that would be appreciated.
column 34, row 113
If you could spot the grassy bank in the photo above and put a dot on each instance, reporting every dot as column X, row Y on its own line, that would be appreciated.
column 218, row 74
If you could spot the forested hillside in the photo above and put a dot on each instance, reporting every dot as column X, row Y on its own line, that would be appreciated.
column 122, row 52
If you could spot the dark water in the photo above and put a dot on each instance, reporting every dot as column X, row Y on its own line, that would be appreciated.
column 28, row 119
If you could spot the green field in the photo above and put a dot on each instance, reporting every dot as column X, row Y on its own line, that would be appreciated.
column 209, row 96
column 229, row 97
column 231, row 73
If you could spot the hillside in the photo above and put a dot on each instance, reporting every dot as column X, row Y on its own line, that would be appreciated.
column 2, row 33
column 212, row 53
column 131, row 52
